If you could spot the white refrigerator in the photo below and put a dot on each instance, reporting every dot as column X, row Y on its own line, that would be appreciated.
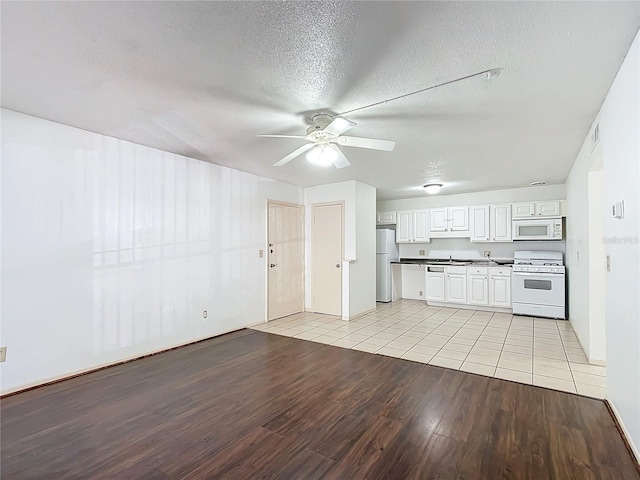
column 386, row 252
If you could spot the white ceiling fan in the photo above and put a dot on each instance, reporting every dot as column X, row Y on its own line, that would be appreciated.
column 327, row 129
column 323, row 136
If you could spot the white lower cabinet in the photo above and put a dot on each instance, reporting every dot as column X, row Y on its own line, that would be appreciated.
column 456, row 284
column 434, row 284
column 477, row 286
column 481, row 286
column 500, row 287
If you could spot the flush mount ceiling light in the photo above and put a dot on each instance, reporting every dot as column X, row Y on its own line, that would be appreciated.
column 322, row 156
column 432, row 188
column 538, row 183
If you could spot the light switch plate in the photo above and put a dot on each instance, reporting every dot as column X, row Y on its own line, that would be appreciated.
column 3, row 354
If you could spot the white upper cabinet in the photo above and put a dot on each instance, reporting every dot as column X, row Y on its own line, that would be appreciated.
column 548, row 209
column 404, row 226
column 452, row 219
column 480, row 223
column 412, row 226
column 536, row 209
column 420, row 226
column 490, row 223
column 501, row 223
column 459, row 219
column 386, row 218
column 524, row 210
column 439, row 222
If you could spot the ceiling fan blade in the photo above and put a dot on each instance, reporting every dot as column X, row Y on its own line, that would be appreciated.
column 338, row 126
column 294, row 154
column 372, row 143
column 341, row 161
column 284, row 136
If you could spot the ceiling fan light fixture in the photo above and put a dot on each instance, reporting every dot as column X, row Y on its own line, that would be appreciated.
column 432, row 188
column 322, row 156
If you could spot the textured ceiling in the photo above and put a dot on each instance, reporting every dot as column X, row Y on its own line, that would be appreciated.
column 202, row 79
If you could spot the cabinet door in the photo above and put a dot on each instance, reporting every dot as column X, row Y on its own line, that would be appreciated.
column 456, row 288
column 459, row 219
column 438, row 220
column 523, row 210
column 479, row 224
column 548, row 209
column 434, row 285
column 501, row 223
column 420, row 230
column 478, row 290
column 386, row 218
column 500, row 291
column 404, row 227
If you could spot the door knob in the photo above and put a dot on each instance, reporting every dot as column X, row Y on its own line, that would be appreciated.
column 272, row 265
column 337, row 265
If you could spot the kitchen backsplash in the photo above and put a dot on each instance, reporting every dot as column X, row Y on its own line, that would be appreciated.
column 463, row 248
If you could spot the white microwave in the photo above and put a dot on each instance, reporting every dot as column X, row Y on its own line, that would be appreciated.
column 538, row 229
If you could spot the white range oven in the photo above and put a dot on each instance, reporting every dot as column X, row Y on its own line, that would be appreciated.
column 538, row 284
column 537, row 229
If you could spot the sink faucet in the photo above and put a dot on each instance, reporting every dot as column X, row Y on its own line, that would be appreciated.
column 450, row 259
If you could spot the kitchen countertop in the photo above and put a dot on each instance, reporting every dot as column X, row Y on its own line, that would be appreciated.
column 454, row 262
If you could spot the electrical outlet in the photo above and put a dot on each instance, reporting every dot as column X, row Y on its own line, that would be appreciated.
column 608, row 263
column 261, row 253
column 487, row 253
column 420, row 294
column 3, row 354
column 204, row 314
column 420, row 252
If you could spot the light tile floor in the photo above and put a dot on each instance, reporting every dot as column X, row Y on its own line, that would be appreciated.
column 535, row 351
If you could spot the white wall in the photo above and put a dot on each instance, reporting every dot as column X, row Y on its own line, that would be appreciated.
column 111, row 250
column 511, row 195
column 620, row 133
column 584, row 256
column 359, row 242
column 362, row 272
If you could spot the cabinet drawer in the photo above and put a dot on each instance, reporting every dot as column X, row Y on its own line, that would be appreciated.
column 477, row 270
column 462, row 270
column 500, row 272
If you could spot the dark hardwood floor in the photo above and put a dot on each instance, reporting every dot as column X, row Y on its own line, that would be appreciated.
column 256, row 405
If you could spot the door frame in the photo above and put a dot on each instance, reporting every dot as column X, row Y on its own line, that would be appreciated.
column 266, row 255
column 311, row 255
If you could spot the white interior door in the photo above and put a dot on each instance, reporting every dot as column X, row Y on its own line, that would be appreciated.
column 285, row 255
column 326, row 260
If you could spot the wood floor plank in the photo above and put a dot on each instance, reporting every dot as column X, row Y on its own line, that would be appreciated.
column 257, row 405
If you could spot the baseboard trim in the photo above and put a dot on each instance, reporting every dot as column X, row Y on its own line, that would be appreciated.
column 361, row 314
column 466, row 306
column 626, row 438
column 79, row 373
